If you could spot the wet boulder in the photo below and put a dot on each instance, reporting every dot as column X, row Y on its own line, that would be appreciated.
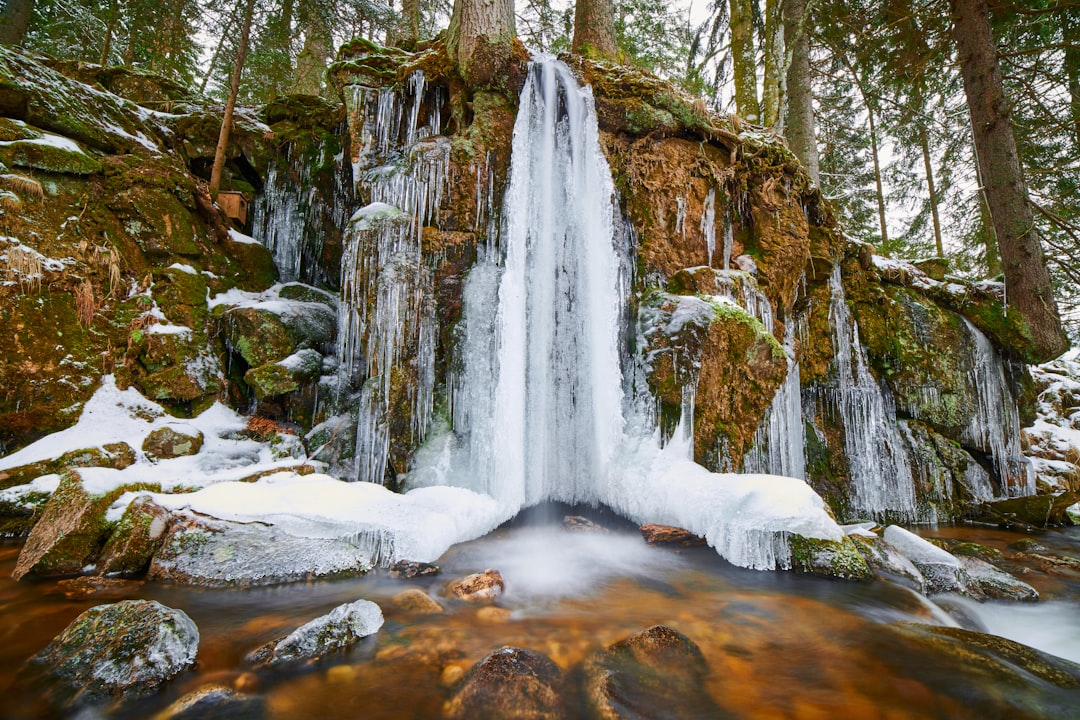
column 509, row 683
column 339, row 629
column 669, row 535
column 829, row 558
column 656, row 673
column 136, row 538
column 1033, row 511
column 887, row 561
column 215, row 702
column 169, row 442
column 479, row 588
column 415, row 601
column 126, row 649
column 408, row 569
column 984, row 581
column 943, row 572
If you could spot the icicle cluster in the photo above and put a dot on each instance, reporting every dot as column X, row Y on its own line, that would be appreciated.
column 387, row 318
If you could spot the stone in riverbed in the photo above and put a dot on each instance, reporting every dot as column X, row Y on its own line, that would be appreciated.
column 126, row 649
column 509, row 683
column 166, row 442
column 942, row 571
column 656, row 673
column 987, row 582
column 408, row 569
column 827, row 558
column 341, row 628
column 416, row 602
column 479, row 588
column 137, row 537
column 668, row 535
column 215, row 702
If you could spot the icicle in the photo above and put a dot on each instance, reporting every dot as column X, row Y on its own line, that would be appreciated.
column 778, row 445
column 680, row 215
column 708, row 223
column 729, row 238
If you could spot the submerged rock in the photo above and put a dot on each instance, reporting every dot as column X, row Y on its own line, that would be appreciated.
column 479, row 588
column 657, row 673
column 509, row 683
column 127, row 649
column 416, row 602
column 215, row 702
column 99, row 588
column 341, row 628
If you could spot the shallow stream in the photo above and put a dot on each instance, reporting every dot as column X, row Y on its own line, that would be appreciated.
column 778, row 645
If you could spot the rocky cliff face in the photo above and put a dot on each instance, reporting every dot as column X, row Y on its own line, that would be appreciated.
column 117, row 262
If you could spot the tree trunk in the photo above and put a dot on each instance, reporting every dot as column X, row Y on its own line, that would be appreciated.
column 225, row 32
column 311, row 62
column 409, row 28
column 594, row 29
column 1027, row 280
column 799, row 123
column 744, row 60
column 478, row 39
column 110, row 28
column 234, row 90
column 928, row 167
column 15, row 21
column 874, row 153
column 772, row 87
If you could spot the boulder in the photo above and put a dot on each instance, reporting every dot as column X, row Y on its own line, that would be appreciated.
column 168, row 442
column 836, row 559
column 285, row 376
column 668, row 535
column 341, row 628
column 579, row 524
column 135, row 539
column 271, row 331
column 215, row 553
column 984, row 581
column 479, row 588
column 118, row 456
column 509, row 683
column 656, row 673
column 71, row 530
column 942, row 571
column 416, row 602
column 1033, row 511
column 408, row 569
column 126, row 649
column 887, row 561
column 215, row 702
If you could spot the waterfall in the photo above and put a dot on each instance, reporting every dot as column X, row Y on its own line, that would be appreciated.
column 995, row 425
column 880, row 475
column 778, row 445
column 542, row 407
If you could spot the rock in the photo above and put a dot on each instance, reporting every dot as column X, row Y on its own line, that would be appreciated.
column 215, row 553
column 273, row 330
column 99, row 588
column 886, row 560
column 579, row 524
column 984, row 581
column 667, row 535
column 71, row 530
column 828, row 558
column 656, row 673
column 1033, row 511
column 416, row 602
column 215, row 702
column 341, row 628
column 509, row 683
column 479, row 588
column 493, row 615
column 942, row 571
column 408, row 569
column 285, row 376
column 136, row 539
column 168, row 442
column 127, row 649
column 117, row 455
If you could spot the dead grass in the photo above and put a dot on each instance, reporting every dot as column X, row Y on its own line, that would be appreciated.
column 85, row 304
column 24, row 265
column 10, row 202
column 23, row 185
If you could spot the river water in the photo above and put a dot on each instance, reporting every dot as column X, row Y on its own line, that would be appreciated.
column 778, row 645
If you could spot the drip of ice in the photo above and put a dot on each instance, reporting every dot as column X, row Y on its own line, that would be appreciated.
column 729, row 239
column 387, row 319
column 708, row 223
column 995, row 425
column 539, row 410
column 778, row 445
column 680, row 216
column 877, row 462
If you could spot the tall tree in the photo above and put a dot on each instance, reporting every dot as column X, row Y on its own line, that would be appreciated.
column 594, row 29
column 230, row 105
column 315, row 17
column 799, row 122
column 1027, row 279
column 14, row 21
column 479, row 36
column 744, row 59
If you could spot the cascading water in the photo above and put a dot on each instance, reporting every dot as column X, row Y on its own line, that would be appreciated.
column 539, row 409
column 880, row 475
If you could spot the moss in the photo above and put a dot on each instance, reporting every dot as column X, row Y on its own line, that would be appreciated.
column 838, row 559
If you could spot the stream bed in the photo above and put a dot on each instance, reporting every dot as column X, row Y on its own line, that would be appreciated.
column 777, row 645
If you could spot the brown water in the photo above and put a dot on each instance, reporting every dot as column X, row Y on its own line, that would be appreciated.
column 778, row 645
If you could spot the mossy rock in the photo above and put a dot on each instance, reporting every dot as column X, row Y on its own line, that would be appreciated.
column 51, row 154
column 285, row 376
column 307, row 293
column 18, row 516
column 117, row 456
column 71, row 530
column 258, row 336
column 1033, row 511
column 136, row 538
column 253, row 266
column 139, row 86
column 186, row 382
column 829, row 558
column 167, row 442
column 162, row 226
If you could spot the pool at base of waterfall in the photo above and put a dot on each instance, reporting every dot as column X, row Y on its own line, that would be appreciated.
column 772, row 645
